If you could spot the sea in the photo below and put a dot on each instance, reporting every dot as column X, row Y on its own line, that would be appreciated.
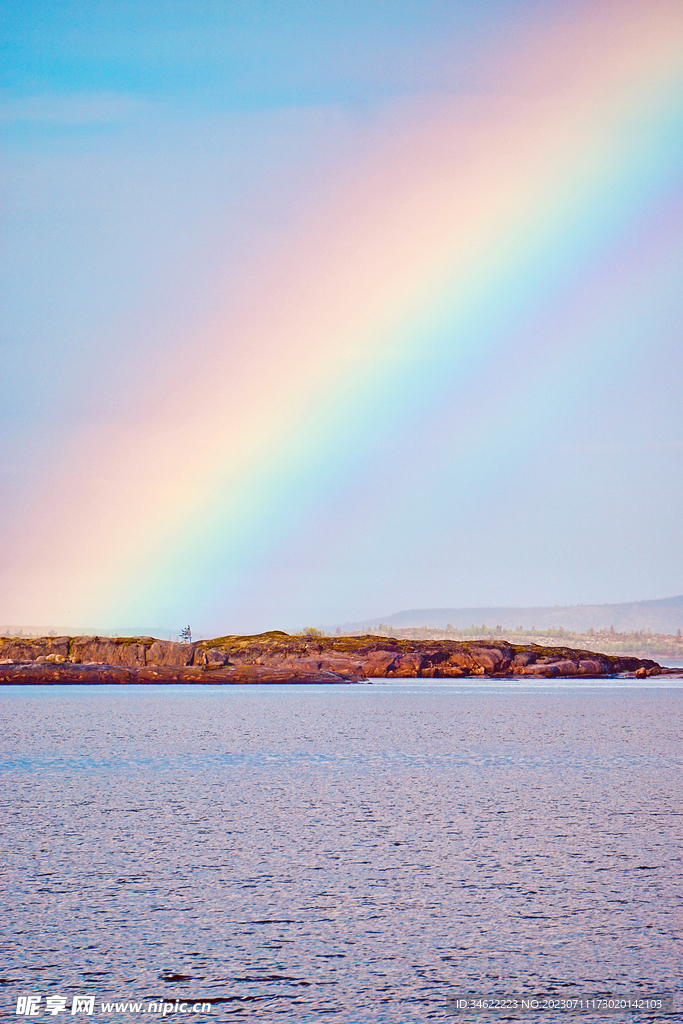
column 389, row 852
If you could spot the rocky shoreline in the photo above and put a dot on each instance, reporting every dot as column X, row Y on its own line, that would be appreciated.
column 277, row 657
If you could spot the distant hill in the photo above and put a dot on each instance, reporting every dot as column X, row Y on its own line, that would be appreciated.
column 661, row 616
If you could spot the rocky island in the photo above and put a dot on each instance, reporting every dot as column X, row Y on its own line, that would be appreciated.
column 277, row 657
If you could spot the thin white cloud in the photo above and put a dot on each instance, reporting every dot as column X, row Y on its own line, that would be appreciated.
column 73, row 110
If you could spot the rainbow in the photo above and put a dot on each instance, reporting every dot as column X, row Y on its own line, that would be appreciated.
column 463, row 286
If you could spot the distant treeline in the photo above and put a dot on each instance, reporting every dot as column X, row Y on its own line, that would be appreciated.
column 639, row 643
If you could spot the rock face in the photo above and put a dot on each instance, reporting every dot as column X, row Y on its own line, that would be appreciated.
column 29, row 649
column 165, row 652
column 95, row 650
column 279, row 657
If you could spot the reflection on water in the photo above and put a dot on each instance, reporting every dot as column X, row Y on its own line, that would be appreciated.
column 349, row 853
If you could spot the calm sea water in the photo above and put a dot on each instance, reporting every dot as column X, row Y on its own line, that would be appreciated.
column 341, row 853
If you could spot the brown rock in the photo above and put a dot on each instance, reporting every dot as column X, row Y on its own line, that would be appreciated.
column 566, row 667
column 495, row 660
column 169, row 674
column 591, row 667
column 49, row 673
column 211, row 658
column 522, row 659
column 273, row 674
column 167, row 652
column 342, row 663
column 452, row 671
column 107, row 651
column 29, row 649
column 408, row 665
column 377, row 664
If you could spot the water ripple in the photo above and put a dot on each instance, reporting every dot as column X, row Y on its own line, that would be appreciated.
column 357, row 854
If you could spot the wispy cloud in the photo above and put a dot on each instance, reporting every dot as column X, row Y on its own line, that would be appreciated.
column 74, row 110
